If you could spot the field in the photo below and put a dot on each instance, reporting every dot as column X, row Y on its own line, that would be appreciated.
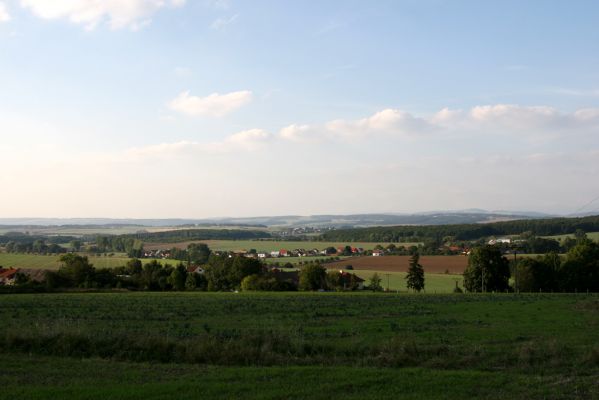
column 431, row 264
column 35, row 261
column 266, row 245
column 395, row 281
column 298, row 345
column 591, row 235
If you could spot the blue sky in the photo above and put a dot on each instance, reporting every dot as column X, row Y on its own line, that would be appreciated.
column 173, row 108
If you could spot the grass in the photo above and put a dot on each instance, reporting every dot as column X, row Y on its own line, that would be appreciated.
column 36, row 261
column 434, row 283
column 34, row 377
column 591, row 235
column 298, row 345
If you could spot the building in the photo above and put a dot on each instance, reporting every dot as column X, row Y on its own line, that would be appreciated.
column 8, row 276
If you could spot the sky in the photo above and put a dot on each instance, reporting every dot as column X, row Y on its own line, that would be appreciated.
column 214, row 108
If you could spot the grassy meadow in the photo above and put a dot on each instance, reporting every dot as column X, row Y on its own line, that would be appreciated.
column 38, row 261
column 591, row 235
column 396, row 281
column 298, row 345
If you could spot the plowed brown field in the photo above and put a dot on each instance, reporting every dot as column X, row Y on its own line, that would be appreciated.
column 431, row 264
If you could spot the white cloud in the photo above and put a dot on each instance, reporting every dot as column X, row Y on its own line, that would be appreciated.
column 300, row 133
column 500, row 119
column 132, row 14
column 221, row 23
column 214, row 105
column 249, row 140
column 4, row 15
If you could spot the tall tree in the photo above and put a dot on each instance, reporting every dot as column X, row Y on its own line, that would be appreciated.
column 375, row 283
column 76, row 269
column 415, row 276
column 312, row 277
column 488, row 270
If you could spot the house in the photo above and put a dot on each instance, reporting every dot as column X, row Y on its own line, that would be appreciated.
column 349, row 280
column 357, row 250
column 7, row 276
column 500, row 241
column 283, row 253
column 195, row 270
column 263, row 255
column 377, row 253
column 274, row 254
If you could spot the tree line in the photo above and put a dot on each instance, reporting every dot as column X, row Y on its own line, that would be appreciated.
column 38, row 246
column 182, row 235
column 489, row 270
column 536, row 227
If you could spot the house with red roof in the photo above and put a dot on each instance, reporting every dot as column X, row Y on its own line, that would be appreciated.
column 7, row 276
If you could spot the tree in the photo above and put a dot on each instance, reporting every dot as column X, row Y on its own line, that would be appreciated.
column 224, row 273
column 76, row 244
column 375, row 283
column 134, row 266
column 198, row 253
column 76, row 270
column 538, row 274
column 347, row 251
column 580, row 271
column 488, row 270
column 415, row 276
column 178, row 277
column 191, row 282
column 312, row 277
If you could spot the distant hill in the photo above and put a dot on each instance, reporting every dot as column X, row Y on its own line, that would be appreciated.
column 289, row 221
column 399, row 233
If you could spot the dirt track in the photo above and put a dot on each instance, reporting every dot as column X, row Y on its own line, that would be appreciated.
column 431, row 264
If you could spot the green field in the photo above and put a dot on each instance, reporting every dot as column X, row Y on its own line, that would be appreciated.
column 590, row 235
column 434, row 283
column 35, row 261
column 298, row 345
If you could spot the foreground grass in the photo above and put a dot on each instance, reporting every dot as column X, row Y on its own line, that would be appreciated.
column 298, row 345
column 34, row 377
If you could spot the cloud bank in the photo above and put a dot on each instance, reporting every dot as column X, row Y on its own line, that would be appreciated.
column 389, row 125
column 119, row 14
column 4, row 15
column 500, row 119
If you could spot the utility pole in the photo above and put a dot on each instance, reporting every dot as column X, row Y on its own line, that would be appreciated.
column 482, row 280
column 516, row 269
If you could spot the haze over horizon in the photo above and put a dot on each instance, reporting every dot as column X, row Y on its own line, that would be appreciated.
column 160, row 108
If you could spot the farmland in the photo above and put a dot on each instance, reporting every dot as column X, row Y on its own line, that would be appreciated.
column 269, row 345
column 38, row 261
column 591, row 235
column 431, row 264
column 396, row 281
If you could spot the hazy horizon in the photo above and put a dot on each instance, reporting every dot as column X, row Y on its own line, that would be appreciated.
column 145, row 109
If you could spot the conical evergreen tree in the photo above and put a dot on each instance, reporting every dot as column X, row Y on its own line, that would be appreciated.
column 415, row 276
